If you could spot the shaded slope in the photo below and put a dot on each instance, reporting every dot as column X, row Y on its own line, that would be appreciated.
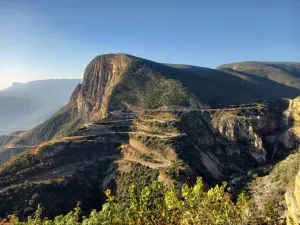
column 287, row 73
column 223, row 86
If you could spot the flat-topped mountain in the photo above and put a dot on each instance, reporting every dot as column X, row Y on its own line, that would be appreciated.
column 133, row 120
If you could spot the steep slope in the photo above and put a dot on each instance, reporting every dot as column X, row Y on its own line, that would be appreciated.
column 62, row 123
column 269, row 190
column 127, row 81
column 140, row 121
column 292, row 199
column 291, row 138
column 23, row 106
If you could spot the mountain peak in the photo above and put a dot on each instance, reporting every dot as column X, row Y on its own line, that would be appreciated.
column 100, row 78
column 119, row 81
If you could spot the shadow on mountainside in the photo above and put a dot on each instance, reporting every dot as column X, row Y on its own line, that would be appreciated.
column 222, row 87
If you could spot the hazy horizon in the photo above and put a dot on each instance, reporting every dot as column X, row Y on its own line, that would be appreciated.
column 57, row 39
column 26, row 82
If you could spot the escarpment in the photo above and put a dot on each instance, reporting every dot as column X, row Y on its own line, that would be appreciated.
column 291, row 122
column 118, row 81
column 100, row 78
column 134, row 120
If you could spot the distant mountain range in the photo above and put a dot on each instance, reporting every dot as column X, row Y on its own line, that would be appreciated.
column 25, row 105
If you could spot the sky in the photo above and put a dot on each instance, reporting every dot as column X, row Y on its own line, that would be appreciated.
column 58, row 38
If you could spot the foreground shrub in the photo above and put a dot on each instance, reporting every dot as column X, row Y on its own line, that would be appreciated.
column 159, row 205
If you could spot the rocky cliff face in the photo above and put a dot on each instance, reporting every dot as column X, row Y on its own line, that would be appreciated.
column 291, row 123
column 100, row 78
column 223, row 144
column 270, row 188
column 291, row 139
column 245, row 129
column 293, row 203
column 119, row 81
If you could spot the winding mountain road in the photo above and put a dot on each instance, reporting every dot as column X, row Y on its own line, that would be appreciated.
column 70, row 169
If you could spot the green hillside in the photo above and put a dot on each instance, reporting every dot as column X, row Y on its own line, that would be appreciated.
column 4, row 139
column 62, row 123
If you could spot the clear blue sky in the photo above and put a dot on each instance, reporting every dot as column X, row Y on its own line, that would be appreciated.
column 58, row 38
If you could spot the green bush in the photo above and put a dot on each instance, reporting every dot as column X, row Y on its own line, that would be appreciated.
column 158, row 204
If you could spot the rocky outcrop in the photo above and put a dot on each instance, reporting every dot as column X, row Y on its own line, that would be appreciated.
column 100, row 78
column 118, row 82
column 226, row 143
column 291, row 123
column 245, row 130
column 291, row 138
column 293, row 203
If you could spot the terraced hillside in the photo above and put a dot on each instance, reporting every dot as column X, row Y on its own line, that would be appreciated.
column 134, row 121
